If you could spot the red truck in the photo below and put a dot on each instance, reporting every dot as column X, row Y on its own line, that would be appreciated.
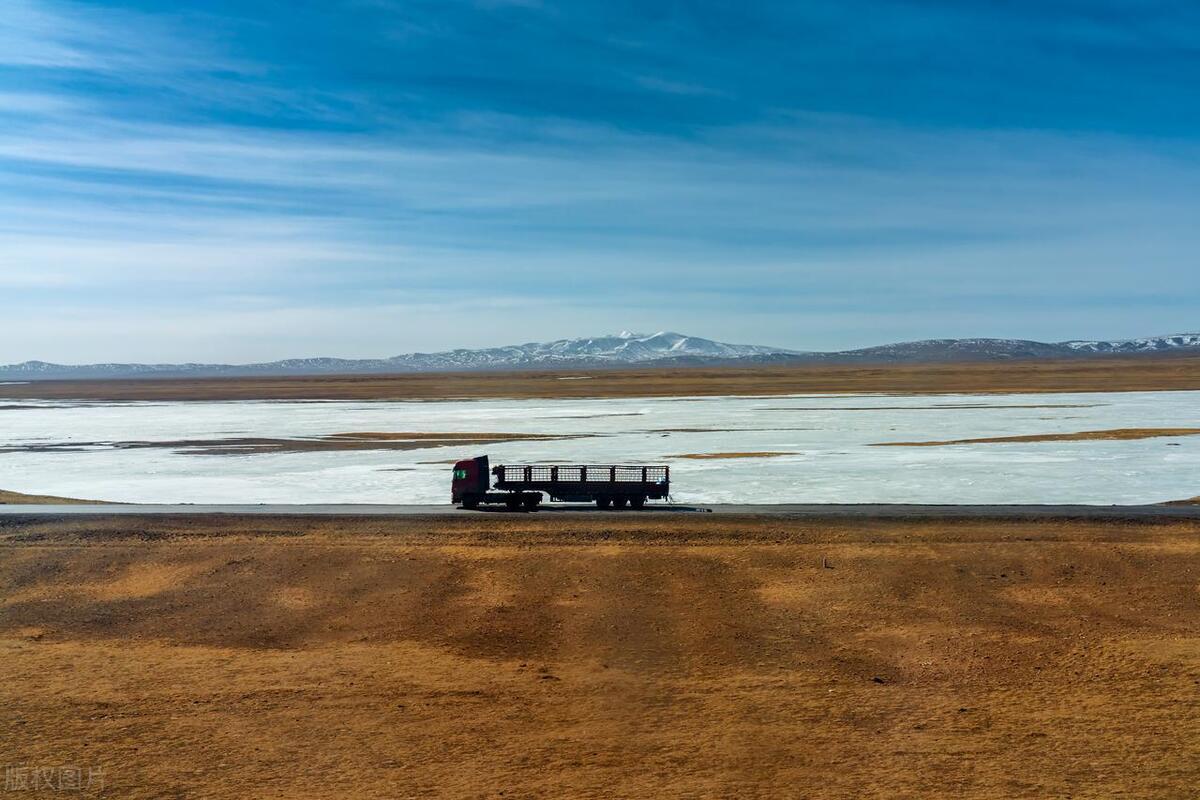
column 522, row 485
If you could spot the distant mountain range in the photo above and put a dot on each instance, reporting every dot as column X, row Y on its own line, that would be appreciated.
column 658, row 349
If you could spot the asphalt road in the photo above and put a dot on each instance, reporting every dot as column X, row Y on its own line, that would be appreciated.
column 798, row 511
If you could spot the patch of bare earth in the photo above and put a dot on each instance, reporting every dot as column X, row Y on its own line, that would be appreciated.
column 748, row 454
column 17, row 498
column 534, row 656
column 932, row 407
column 1192, row 501
column 335, row 442
column 1114, row 434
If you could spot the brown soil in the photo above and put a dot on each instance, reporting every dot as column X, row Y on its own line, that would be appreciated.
column 1118, row 434
column 535, row 656
column 1191, row 501
column 1140, row 373
column 17, row 498
column 386, row 436
column 337, row 442
column 934, row 407
column 751, row 454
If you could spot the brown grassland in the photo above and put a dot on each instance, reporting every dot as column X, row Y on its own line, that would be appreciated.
column 1112, row 434
column 1075, row 375
column 336, row 442
column 603, row 656
column 18, row 498
column 749, row 454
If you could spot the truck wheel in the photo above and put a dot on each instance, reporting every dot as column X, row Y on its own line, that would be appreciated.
column 620, row 502
column 531, row 503
column 470, row 504
column 603, row 502
column 513, row 503
column 637, row 502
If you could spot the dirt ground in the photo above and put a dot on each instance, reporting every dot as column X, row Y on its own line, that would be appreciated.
column 1134, row 373
column 530, row 656
column 333, row 443
column 1113, row 434
column 19, row 498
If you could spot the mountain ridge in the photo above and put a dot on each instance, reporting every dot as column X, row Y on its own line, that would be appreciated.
column 664, row 348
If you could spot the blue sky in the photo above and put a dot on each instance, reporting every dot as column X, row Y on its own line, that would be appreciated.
column 241, row 181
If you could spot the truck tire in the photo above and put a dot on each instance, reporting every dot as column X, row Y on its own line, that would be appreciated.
column 531, row 503
column 513, row 503
column 603, row 502
column 471, row 504
column 637, row 502
column 620, row 502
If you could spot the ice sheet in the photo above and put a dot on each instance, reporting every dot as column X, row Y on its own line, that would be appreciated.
column 828, row 436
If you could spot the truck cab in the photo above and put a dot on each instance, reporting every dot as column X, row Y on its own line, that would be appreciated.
column 471, row 482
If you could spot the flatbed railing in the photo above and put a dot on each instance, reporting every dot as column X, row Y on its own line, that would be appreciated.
column 581, row 473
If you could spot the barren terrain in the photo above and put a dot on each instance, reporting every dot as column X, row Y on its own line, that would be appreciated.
column 1141, row 373
column 750, row 454
column 336, row 442
column 19, row 498
column 1113, row 435
column 542, row 656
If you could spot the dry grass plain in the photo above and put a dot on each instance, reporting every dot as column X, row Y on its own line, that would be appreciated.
column 559, row 656
column 1140, row 373
column 19, row 498
column 332, row 443
column 750, row 454
column 1112, row 435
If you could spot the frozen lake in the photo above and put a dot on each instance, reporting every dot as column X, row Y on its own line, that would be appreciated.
column 827, row 441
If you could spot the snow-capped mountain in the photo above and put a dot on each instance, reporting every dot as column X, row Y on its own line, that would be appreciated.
column 952, row 350
column 622, row 348
column 932, row 350
column 625, row 348
column 1153, row 344
column 618, row 349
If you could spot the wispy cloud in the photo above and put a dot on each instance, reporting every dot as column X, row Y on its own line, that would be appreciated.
column 357, row 188
column 33, row 36
column 678, row 87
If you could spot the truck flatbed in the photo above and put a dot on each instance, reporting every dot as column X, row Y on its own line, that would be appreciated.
column 522, row 485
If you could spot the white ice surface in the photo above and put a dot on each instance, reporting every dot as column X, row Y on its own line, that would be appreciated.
column 832, row 461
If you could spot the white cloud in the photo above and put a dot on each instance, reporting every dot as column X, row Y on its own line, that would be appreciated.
column 33, row 36
column 370, row 242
